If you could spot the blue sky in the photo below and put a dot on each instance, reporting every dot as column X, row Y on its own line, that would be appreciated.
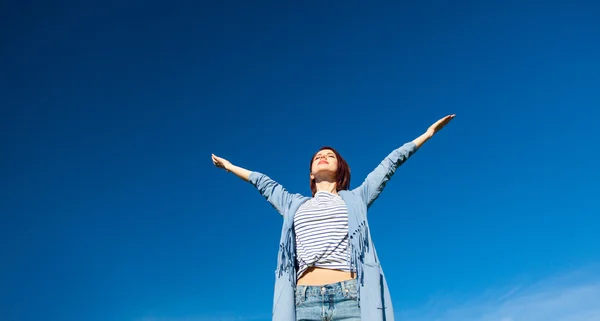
column 111, row 208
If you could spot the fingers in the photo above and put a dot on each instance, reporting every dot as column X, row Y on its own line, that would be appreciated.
column 448, row 118
column 215, row 160
column 442, row 123
column 445, row 121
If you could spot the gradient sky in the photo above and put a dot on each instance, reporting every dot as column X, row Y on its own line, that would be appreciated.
column 111, row 208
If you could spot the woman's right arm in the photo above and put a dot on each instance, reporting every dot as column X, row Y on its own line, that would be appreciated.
column 272, row 191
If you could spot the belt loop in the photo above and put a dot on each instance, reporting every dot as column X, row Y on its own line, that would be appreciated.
column 303, row 293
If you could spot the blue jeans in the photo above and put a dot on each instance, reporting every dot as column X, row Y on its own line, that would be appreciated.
column 330, row 302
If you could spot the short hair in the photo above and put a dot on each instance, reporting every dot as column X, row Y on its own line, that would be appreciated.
column 342, row 174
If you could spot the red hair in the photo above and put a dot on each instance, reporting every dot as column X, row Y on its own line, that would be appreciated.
column 342, row 174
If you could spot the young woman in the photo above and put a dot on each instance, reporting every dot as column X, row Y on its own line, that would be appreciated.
column 327, row 266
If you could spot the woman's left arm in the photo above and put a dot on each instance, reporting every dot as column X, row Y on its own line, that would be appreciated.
column 378, row 178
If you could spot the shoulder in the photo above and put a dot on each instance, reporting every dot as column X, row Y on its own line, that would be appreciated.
column 350, row 195
column 354, row 200
column 296, row 200
column 300, row 197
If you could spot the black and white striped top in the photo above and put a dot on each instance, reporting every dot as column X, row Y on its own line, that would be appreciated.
column 321, row 226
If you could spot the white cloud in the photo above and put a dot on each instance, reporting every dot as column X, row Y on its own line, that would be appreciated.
column 573, row 296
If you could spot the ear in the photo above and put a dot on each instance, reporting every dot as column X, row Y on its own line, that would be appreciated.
column 312, row 176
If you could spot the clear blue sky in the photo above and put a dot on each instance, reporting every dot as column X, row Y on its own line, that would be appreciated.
column 111, row 208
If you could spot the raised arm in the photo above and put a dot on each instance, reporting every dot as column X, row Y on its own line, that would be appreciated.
column 272, row 191
column 378, row 178
column 226, row 165
column 375, row 182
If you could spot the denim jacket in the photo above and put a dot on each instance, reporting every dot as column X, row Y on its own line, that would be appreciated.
column 373, row 295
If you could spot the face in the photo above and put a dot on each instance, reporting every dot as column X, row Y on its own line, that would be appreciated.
column 325, row 162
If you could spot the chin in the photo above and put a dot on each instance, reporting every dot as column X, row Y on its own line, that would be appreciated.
column 325, row 174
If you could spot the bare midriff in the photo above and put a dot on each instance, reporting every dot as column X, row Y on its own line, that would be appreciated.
column 321, row 276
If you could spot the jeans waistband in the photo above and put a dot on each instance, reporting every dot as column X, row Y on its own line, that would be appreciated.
column 327, row 289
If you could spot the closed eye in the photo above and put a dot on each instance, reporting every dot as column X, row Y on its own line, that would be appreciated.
column 321, row 156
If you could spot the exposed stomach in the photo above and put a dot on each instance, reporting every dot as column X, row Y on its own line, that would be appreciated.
column 321, row 276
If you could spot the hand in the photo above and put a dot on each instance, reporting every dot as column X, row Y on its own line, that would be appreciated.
column 438, row 125
column 221, row 162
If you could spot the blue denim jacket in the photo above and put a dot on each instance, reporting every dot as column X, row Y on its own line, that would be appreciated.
column 374, row 296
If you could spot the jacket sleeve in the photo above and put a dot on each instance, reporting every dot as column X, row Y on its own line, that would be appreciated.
column 375, row 182
column 275, row 194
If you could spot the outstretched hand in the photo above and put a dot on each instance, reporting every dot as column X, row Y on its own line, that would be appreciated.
column 438, row 125
column 226, row 165
column 221, row 162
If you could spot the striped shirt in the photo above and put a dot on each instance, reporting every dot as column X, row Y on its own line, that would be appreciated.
column 321, row 226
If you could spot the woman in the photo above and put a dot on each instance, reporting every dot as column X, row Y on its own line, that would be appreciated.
column 327, row 266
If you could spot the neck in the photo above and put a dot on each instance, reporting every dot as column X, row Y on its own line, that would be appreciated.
column 326, row 186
